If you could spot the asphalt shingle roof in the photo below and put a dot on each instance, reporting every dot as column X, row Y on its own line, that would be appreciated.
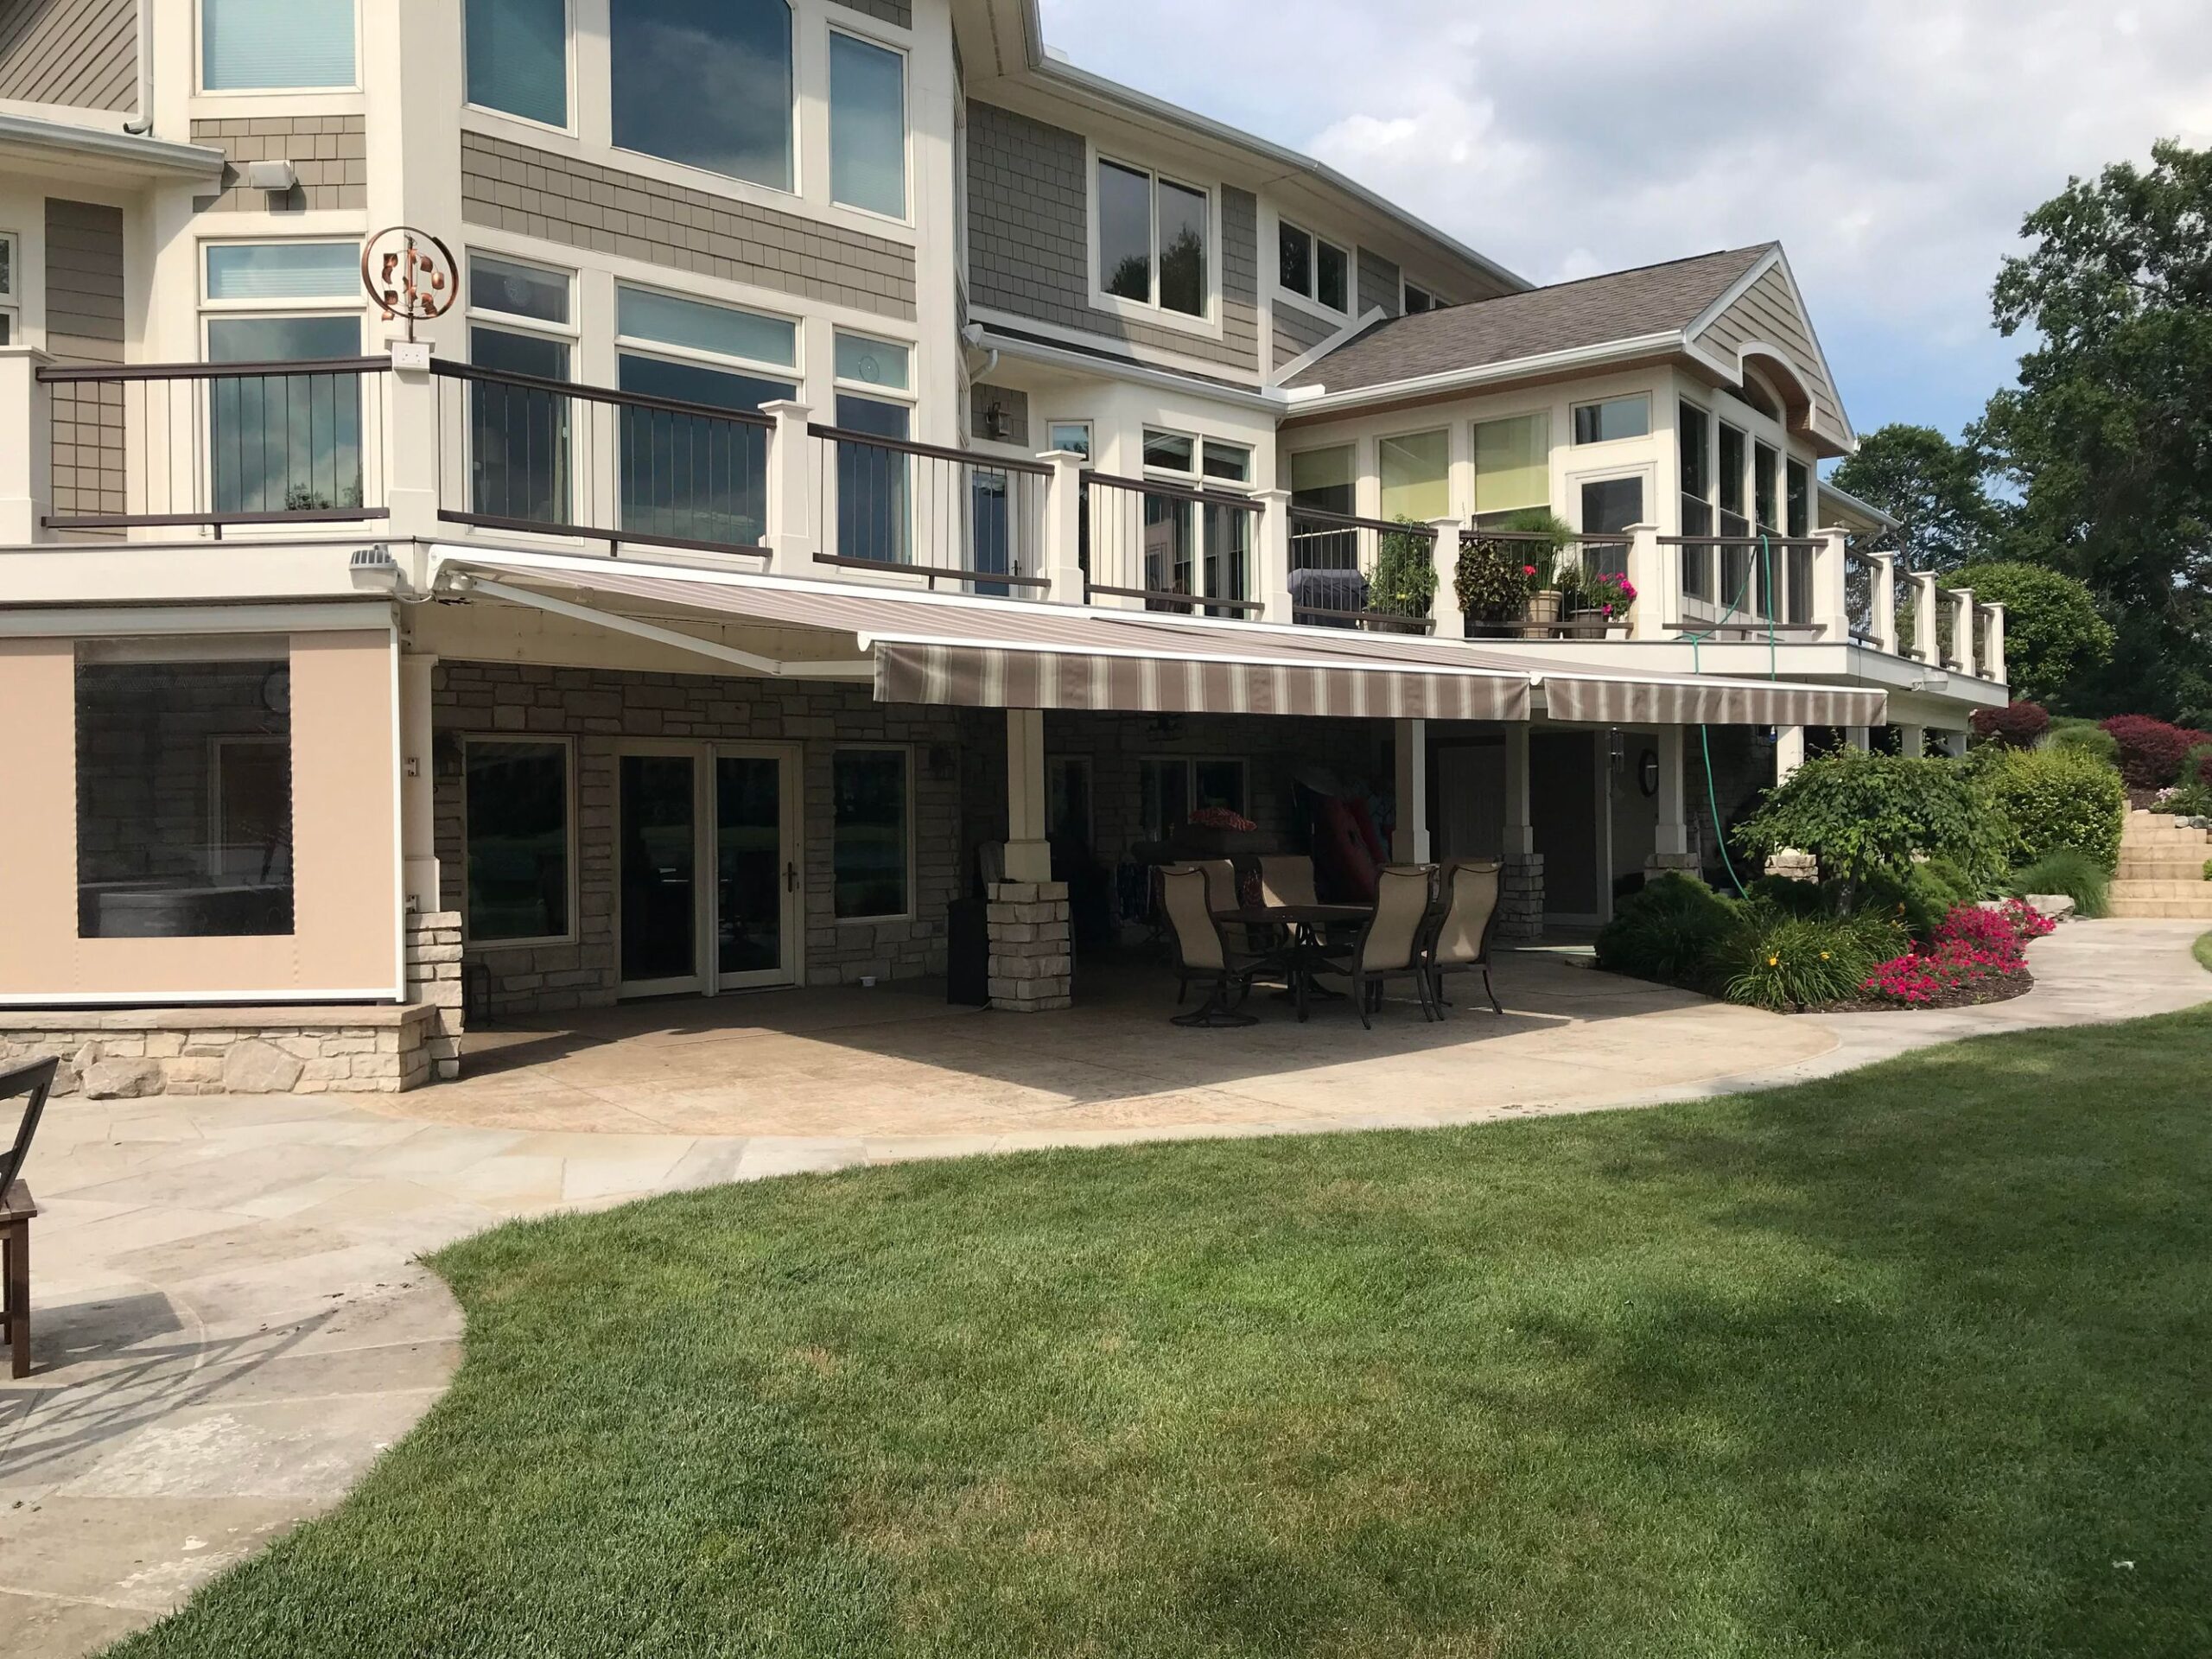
column 1620, row 305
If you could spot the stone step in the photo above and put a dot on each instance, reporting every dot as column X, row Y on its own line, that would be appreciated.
column 2137, row 888
column 2198, row 909
column 2180, row 867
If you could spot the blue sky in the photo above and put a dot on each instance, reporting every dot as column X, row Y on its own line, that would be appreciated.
column 1892, row 146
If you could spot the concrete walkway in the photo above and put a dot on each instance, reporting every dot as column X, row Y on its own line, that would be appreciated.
column 230, row 1324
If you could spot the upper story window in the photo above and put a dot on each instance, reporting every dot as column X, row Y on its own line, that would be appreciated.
column 867, row 125
column 1418, row 299
column 1070, row 437
column 283, row 442
column 250, row 46
column 1799, row 501
column 1230, row 463
column 1314, row 269
column 701, row 353
column 1616, row 417
column 1326, row 479
column 1152, row 239
column 1733, row 449
column 7, row 289
column 520, row 322
column 1170, row 452
column 1415, row 473
column 705, row 83
column 1513, row 466
column 518, row 58
column 1764, row 502
column 1694, row 438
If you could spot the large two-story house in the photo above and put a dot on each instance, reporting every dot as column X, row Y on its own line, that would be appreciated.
column 805, row 463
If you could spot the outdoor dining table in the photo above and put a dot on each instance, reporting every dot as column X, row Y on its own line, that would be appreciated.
column 1304, row 958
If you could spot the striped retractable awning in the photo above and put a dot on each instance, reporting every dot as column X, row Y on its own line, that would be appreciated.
column 1688, row 701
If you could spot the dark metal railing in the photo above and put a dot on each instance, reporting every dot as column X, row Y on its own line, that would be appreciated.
column 521, row 452
column 216, row 444
column 1579, row 566
column 950, row 515
column 1348, row 572
column 1982, row 665
column 1175, row 547
column 1858, row 595
column 1747, row 582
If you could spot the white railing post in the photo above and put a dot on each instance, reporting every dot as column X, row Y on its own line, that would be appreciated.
column 1962, row 628
column 410, row 443
column 1272, row 579
column 1064, row 527
column 1448, row 620
column 1925, row 635
column 1831, row 608
column 1994, row 668
column 1649, row 567
column 1884, row 600
column 791, row 533
column 26, row 447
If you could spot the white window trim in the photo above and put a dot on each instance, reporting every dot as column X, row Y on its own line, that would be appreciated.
column 1313, row 303
column 724, row 183
column 762, row 368
column 569, row 58
column 1642, row 471
column 1090, row 451
column 1209, row 324
column 1579, row 404
column 906, row 751
column 569, row 333
column 1436, row 299
column 354, row 303
column 1215, row 481
column 571, row 849
column 907, row 394
column 1191, row 763
column 200, row 89
column 906, row 113
column 1146, row 432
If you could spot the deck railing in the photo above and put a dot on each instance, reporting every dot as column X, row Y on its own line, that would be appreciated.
column 1348, row 572
column 950, row 515
column 1740, row 585
column 1169, row 547
column 209, row 445
column 1583, row 564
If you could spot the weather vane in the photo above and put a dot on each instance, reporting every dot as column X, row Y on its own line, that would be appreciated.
column 409, row 274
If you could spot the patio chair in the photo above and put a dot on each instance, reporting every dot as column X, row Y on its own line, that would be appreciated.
column 1203, row 952
column 30, row 1084
column 1287, row 879
column 1459, row 940
column 1391, row 945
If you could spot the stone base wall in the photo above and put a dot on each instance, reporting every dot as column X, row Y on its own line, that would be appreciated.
column 1672, row 864
column 1031, row 956
column 124, row 1053
column 1794, row 867
column 1520, row 897
column 433, row 980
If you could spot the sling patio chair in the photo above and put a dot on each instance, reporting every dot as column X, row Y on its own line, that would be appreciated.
column 1391, row 945
column 1203, row 951
column 1467, row 912
column 30, row 1084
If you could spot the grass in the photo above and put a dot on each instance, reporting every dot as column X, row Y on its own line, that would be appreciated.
column 2072, row 872
column 1909, row 1362
column 2203, row 949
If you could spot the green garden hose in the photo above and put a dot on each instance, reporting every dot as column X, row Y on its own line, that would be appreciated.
column 1704, row 736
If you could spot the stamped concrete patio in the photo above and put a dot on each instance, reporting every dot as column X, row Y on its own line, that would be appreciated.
column 230, row 1323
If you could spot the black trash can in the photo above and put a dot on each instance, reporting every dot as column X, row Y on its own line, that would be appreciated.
column 968, row 952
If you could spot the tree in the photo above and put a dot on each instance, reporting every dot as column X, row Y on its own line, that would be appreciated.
column 2053, row 633
column 2108, row 438
column 1864, row 815
column 1934, row 488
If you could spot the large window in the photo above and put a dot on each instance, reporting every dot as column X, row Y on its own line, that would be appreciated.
column 1312, row 269
column 184, row 795
column 1694, row 438
column 1616, row 417
column 1152, row 239
column 707, row 83
column 868, row 126
column 1416, row 471
column 875, row 482
column 1326, row 479
column 289, row 443
column 518, row 58
column 870, row 854
column 519, row 323
column 1611, row 503
column 248, row 45
column 1513, row 466
column 1171, row 787
column 518, row 856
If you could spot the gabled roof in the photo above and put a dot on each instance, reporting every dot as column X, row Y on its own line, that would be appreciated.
column 1618, row 306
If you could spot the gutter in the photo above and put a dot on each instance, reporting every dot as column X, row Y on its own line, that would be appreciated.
column 127, row 149
column 1269, row 401
column 1314, row 400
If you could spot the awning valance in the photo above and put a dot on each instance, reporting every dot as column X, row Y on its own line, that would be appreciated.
column 1689, row 701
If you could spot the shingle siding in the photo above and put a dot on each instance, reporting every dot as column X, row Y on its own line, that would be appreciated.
column 329, row 152
column 535, row 193
column 1028, row 241
column 83, row 54
column 1378, row 284
column 1297, row 333
column 1767, row 311
column 888, row 11
column 83, row 324
column 1015, row 400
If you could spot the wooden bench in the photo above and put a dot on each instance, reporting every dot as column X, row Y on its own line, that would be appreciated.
column 30, row 1084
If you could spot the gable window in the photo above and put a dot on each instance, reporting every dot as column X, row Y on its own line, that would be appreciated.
column 8, row 258
column 868, row 126
column 1513, row 466
column 519, row 855
column 705, row 83
column 518, row 58
column 1314, row 269
column 289, row 443
column 519, row 323
column 252, row 46
column 870, row 851
column 1152, row 239
column 1616, row 417
column 1418, row 299
column 1416, row 471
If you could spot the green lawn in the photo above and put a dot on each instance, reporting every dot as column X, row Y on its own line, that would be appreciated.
column 1915, row 1362
column 2203, row 949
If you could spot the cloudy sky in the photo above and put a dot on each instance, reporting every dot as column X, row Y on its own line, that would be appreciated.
column 1894, row 146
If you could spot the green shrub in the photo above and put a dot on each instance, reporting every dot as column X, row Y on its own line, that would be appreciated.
column 1793, row 898
column 1668, row 932
column 2051, row 799
column 1919, row 899
column 2052, row 628
column 1782, row 962
column 2084, row 737
column 2189, row 801
column 2070, row 871
column 2196, row 767
column 2208, row 869
column 1404, row 583
column 1862, row 813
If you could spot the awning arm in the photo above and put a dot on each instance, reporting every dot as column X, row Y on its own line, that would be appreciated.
column 857, row 670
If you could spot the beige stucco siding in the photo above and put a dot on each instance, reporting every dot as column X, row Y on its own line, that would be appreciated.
column 83, row 54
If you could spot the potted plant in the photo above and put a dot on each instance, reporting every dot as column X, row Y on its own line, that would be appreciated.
column 1404, row 583
column 1541, row 536
column 1598, row 603
column 1491, row 589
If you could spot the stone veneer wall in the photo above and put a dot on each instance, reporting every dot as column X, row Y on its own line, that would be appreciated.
column 602, row 707
column 1520, row 897
column 1032, row 959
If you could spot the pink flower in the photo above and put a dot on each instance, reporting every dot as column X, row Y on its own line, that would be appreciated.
column 1527, row 570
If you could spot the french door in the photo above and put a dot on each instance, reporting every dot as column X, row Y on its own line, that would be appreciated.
column 707, row 867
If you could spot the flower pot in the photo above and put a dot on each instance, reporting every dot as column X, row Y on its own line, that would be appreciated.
column 1588, row 624
column 1540, row 618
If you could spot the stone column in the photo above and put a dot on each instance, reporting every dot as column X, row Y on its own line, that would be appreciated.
column 1520, row 885
column 1954, row 743
column 1031, row 954
column 433, row 978
column 1994, row 668
column 1963, row 629
column 1859, row 737
column 1409, row 840
column 1912, row 740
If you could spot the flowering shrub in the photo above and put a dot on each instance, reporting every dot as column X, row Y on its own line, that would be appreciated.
column 1612, row 591
column 1220, row 818
column 1971, row 947
column 2150, row 752
column 2017, row 725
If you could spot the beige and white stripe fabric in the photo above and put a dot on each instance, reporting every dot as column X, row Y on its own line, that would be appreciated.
column 1689, row 700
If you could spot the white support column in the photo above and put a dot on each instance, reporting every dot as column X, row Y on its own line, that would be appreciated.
column 1029, row 855
column 1649, row 569
column 1409, row 840
column 1272, row 579
column 1995, row 666
column 792, row 535
column 1521, row 892
column 1954, row 743
column 26, row 447
column 1831, row 611
column 1963, row 629
column 1885, row 600
column 1912, row 740
column 1860, row 738
column 1520, row 836
column 418, row 820
column 1672, row 837
column 410, row 445
column 1063, row 550
column 1788, row 751
column 1450, row 622
column 1925, row 598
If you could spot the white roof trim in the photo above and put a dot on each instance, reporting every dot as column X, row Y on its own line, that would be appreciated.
column 1310, row 399
column 128, row 149
column 1774, row 257
column 1354, row 326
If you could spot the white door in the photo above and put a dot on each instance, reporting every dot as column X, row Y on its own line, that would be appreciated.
column 757, row 923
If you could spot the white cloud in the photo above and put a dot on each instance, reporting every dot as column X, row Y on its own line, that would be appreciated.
column 1892, row 145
